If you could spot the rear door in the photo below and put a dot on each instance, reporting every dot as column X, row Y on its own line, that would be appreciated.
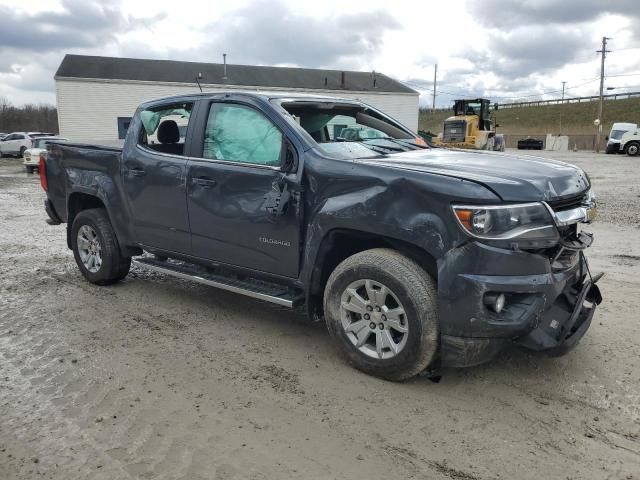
column 21, row 141
column 233, row 189
column 154, row 175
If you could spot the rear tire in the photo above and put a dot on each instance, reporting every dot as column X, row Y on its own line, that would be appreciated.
column 95, row 248
column 365, row 287
column 632, row 149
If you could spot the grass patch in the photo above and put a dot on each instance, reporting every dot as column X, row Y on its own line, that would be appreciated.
column 577, row 118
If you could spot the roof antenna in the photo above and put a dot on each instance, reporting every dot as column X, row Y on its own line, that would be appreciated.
column 198, row 77
column 224, row 71
column 373, row 72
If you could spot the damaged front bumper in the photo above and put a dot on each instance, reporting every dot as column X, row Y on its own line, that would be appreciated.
column 548, row 310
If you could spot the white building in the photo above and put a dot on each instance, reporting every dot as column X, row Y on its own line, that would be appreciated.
column 97, row 96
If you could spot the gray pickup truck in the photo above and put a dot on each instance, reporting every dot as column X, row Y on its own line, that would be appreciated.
column 415, row 257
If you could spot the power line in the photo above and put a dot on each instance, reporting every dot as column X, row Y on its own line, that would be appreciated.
column 627, row 48
column 428, row 86
column 636, row 74
column 501, row 97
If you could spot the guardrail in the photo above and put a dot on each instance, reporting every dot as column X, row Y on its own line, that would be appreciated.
column 557, row 101
column 537, row 103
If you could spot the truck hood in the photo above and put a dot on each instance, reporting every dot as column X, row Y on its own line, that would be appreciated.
column 513, row 177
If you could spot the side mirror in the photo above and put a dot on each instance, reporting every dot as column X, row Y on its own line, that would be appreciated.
column 497, row 125
column 607, row 138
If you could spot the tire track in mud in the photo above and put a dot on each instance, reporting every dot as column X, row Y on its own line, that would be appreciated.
column 42, row 420
column 173, row 380
column 137, row 439
column 67, row 405
column 141, row 441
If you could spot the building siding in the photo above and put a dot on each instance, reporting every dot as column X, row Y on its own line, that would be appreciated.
column 88, row 109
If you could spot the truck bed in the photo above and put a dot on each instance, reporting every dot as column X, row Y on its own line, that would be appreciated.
column 81, row 167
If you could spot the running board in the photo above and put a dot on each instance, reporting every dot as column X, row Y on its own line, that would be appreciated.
column 267, row 291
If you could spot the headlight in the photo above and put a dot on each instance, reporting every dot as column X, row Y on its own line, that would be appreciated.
column 522, row 222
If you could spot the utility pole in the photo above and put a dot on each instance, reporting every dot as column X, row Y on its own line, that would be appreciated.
column 561, row 103
column 435, row 79
column 603, row 53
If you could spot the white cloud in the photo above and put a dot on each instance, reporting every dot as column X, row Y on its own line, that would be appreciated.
column 503, row 48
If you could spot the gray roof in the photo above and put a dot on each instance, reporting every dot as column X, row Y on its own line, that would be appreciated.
column 112, row 68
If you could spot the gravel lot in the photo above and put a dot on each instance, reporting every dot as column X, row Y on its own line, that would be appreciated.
column 159, row 378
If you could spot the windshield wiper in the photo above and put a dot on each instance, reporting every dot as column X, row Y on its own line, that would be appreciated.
column 413, row 143
column 403, row 141
column 382, row 148
column 403, row 148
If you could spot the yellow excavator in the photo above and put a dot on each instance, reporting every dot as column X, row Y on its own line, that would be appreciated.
column 471, row 127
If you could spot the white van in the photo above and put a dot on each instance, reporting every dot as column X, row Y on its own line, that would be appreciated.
column 617, row 130
column 630, row 143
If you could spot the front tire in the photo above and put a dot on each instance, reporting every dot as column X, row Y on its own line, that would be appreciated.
column 380, row 307
column 21, row 153
column 632, row 149
column 95, row 248
column 29, row 169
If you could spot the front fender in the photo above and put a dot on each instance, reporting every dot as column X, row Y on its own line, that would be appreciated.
column 377, row 210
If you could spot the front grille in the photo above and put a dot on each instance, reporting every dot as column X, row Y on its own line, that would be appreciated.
column 567, row 203
column 454, row 131
column 561, row 258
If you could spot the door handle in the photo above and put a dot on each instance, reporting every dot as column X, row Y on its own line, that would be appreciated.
column 137, row 171
column 204, row 182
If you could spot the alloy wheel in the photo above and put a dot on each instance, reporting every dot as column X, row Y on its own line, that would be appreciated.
column 89, row 248
column 373, row 318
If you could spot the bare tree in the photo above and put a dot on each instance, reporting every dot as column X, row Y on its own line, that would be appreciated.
column 29, row 118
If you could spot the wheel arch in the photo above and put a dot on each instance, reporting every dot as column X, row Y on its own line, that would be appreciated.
column 340, row 243
column 634, row 143
column 79, row 201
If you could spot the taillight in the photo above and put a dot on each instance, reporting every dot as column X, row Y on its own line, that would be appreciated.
column 42, row 171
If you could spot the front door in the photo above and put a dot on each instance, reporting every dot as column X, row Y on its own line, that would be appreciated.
column 13, row 143
column 5, row 145
column 233, row 194
column 154, row 175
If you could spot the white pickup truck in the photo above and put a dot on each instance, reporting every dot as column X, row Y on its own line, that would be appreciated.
column 31, row 156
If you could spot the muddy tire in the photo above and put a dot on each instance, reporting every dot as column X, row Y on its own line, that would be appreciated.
column 381, row 309
column 95, row 248
column 632, row 149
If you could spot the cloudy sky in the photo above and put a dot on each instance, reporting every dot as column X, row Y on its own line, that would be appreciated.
column 504, row 49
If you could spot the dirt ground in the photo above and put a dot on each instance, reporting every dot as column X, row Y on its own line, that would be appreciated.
column 156, row 378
